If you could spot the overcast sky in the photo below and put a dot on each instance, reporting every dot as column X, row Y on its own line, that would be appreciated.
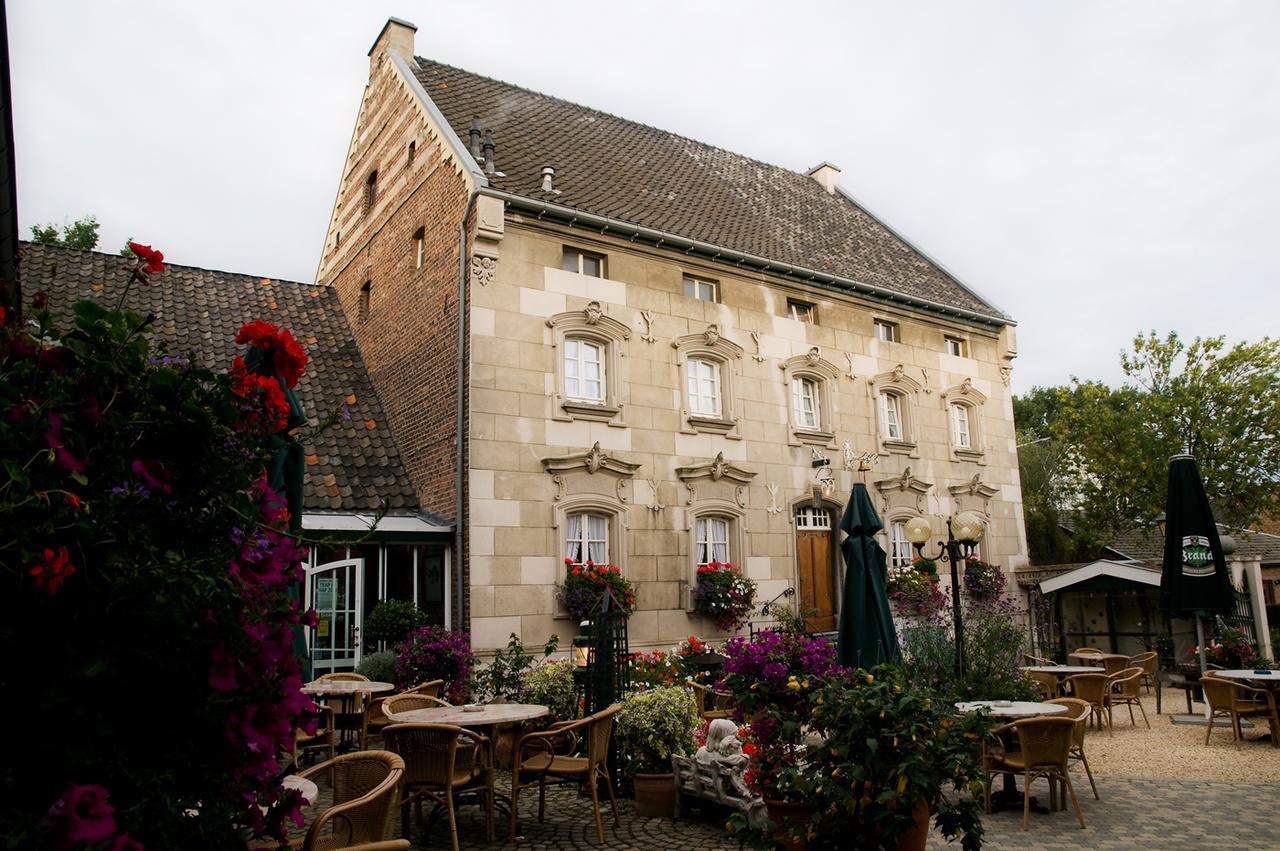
column 1094, row 169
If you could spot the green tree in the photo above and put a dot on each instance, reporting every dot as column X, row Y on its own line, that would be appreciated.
column 82, row 233
column 1042, row 471
column 1220, row 404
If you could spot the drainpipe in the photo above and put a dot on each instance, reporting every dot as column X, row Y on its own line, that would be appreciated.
column 459, row 419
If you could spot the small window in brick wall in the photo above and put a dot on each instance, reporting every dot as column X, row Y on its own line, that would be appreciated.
column 419, row 247
column 413, row 149
column 365, row 292
column 370, row 190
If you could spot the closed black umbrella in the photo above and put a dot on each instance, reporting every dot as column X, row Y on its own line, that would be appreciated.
column 1194, row 579
column 866, row 636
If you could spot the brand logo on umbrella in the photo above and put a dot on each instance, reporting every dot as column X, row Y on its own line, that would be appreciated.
column 1197, row 557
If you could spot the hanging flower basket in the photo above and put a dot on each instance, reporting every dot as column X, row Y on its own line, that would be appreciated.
column 585, row 584
column 724, row 595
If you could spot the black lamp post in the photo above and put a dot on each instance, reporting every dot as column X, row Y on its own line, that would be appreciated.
column 963, row 533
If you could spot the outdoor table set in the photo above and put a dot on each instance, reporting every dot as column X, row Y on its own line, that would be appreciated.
column 346, row 691
column 1013, row 709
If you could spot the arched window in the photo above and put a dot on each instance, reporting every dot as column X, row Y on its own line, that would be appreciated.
column 811, row 398
column 366, row 293
column 895, row 395
column 370, row 190
column 960, row 426
column 413, row 149
column 711, row 539
column 964, row 415
column 419, row 247
column 707, row 367
column 584, row 369
column 703, row 377
column 891, row 415
column 586, row 537
column 589, row 365
column 900, row 554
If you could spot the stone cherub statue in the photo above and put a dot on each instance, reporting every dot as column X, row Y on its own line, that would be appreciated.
column 722, row 745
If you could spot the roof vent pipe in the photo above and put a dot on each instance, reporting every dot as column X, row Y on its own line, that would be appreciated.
column 548, row 179
column 489, row 148
column 475, row 136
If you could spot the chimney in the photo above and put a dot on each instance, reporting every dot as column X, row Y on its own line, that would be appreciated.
column 395, row 35
column 488, row 148
column 827, row 175
column 474, row 133
column 548, row 179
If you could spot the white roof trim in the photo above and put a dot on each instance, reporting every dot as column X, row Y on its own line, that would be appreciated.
column 364, row 522
column 455, row 143
column 1115, row 569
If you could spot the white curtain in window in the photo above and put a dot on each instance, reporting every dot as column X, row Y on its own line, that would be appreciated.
column 573, row 538
column 899, row 547
column 712, row 538
column 597, row 539
column 960, row 425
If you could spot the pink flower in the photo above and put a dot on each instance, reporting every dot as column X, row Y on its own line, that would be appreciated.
column 84, row 814
column 153, row 475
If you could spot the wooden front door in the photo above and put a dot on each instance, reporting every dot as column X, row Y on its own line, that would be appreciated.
column 813, row 568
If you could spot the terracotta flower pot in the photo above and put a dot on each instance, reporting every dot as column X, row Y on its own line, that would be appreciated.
column 655, row 795
column 917, row 837
column 786, row 815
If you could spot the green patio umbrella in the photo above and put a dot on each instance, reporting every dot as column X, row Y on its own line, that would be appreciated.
column 866, row 636
column 1194, row 579
column 284, row 476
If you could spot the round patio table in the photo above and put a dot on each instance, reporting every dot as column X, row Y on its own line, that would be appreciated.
column 1014, row 709
column 1063, row 670
column 1271, row 677
column 310, row 792
column 346, row 690
column 486, row 715
column 1096, row 659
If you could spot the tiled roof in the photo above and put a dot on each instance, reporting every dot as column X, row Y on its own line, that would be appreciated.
column 638, row 174
column 353, row 466
column 1147, row 545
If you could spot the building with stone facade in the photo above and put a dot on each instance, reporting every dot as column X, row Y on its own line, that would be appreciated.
column 596, row 339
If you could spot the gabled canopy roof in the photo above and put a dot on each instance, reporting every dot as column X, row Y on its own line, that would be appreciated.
column 1130, row 571
column 612, row 167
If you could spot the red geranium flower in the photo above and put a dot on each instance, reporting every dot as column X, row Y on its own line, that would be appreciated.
column 265, row 410
column 74, row 501
column 53, row 571
column 285, row 357
column 153, row 260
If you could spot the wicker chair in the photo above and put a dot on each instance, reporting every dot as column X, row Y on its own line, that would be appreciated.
column 720, row 702
column 1031, row 661
column 350, row 712
column 1046, row 682
column 1148, row 663
column 1126, row 688
column 322, row 739
column 343, row 676
column 1114, row 664
column 408, row 701
column 1087, row 650
column 441, row 762
column 1223, row 698
column 1044, row 745
column 364, row 797
column 384, row 845
column 544, row 762
column 431, row 688
column 1078, row 711
column 1095, row 690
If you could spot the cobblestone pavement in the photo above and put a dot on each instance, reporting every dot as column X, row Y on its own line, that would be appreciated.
column 1154, row 815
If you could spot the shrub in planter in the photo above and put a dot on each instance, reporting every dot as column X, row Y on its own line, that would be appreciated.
column 585, row 584
column 552, row 685
column 143, row 558
column 435, row 653
column 380, row 666
column 503, row 677
column 653, row 725
column 723, row 594
column 392, row 620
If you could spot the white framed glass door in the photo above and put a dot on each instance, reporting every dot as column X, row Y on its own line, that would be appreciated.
column 334, row 590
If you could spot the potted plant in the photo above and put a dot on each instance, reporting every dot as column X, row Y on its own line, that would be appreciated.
column 983, row 580
column 723, row 594
column 392, row 620
column 652, row 726
column 912, row 755
column 584, row 585
column 551, row 684
column 432, row 653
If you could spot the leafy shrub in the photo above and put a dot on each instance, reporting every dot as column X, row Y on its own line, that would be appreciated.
column 380, row 666
column 653, row 669
column 142, row 549
column 994, row 642
column 653, row 725
column 552, row 685
column 392, row 620
column 724, row 595
column 435, row 653
column 503, row 677
column 585, row 584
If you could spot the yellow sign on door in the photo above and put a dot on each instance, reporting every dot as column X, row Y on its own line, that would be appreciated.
column 322, row 628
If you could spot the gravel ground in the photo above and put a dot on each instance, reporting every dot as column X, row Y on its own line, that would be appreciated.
column 1177, row 751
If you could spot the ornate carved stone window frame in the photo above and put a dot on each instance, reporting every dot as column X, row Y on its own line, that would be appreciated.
column 907, row 389
column 972, row 399
column 813, row 366
column 570, row 475
column 711, row 346
column 901, row 498
column 591, row 324
column 699, row 479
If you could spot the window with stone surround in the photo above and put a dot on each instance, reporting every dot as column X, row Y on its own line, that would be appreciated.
column 801, row 311
column 953, row 346
column 708, row 368
column 589, row 365
column 811, row 382
column 885, row 330
column 964, row 414
column 711, row 539
column 583, row 262
column 700, row 289
column 895, row 395
column 900, row 554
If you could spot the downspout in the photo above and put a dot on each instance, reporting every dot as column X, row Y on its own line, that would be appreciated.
column 459, row 419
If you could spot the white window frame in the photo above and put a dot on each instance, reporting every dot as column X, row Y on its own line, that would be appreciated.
column 954, row 346
column 701, row 289
column 884, row 330
column 576, row 364
column 574, row 260
column 706, row 540
column 966, row 398
column 806, row 401
column 823, row 377
column 810, row 519
column 961, row 436
column 584, row 539
column 905, row 390
column 890, row 415
column 801, row 311
column 702, row 374
column 900, row 551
